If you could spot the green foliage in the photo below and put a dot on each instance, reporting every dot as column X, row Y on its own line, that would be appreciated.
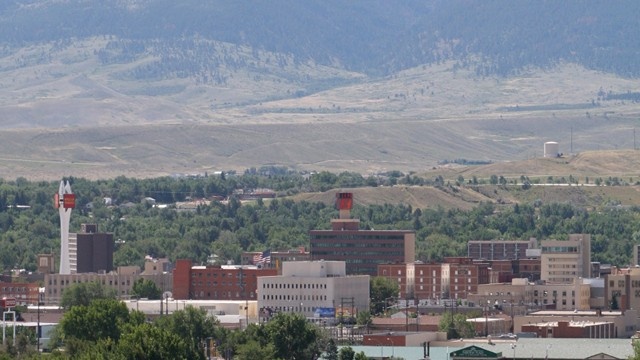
column 144, row 288
column 228, row 229
column 101, row 319
column 346, row 353
column 456, row 326
column 147, row 341
column 331, row 352
column 293, row 337
column 252, row 350
column 84, row 293
column 193, row 325
column 382, row 289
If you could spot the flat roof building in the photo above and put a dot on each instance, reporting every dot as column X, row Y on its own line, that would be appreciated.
column 308, row 286
column 361, row 250
column 563, row 261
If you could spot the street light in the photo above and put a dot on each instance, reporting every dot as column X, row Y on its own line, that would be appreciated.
column 513, row 347
column 38, row 331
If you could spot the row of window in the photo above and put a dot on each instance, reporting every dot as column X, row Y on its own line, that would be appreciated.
column 355, row 237
column 222, row 295
column 78, row 281
column 12, row 289
column 293, row 286
column 360, row 253
column 294, row 297
column 215, row 274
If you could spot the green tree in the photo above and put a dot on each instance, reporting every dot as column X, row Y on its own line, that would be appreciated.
column 253, row 350
column 360, row 356
column 83, row 293
column 381, row 289
column 331, row 352
column 101, row 319
column 144, row 288
column 293, row 337
column 148, row 341
column 346, row 353
column 193, row 325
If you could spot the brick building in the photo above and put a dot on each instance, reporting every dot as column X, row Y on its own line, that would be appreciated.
column 361, row 250
column 216, row 282
column 24, row 293
column 455, row 278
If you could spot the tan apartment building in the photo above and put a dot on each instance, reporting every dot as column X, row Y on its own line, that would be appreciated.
column 563, row 261
column 624, row 286
column 526, row 295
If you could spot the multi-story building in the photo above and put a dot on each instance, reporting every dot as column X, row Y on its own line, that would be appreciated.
column 361, row 250
column 461, row 277
column 403, row 274
column 24, row 293
column 499, row 249
column 90, row 251
column 504, row 270
column 307, row 286
column 216, row 282
column 454, row 279
column 563, row 261
column 524, row 294
column 622, row 289
column 121, row 282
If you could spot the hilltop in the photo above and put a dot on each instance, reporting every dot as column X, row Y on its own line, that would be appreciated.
column 604, row 165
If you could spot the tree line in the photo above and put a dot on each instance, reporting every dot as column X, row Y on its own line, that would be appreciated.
column 30, row 225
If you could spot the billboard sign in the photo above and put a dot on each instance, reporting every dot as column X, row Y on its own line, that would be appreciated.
column 8, row 302
column 326, row 312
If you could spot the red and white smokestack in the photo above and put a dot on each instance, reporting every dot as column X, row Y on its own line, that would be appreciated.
column 344, row 202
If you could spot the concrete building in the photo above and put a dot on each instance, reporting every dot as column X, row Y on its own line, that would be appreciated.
column 499, row 249
column 216, row 282
column 121, row 281
column 232, row 314
column 571, row 324
column 525, row 295
column 361, row 250
column 90, row 251
column 307, row 286
column 563, row 261
column 624, row 286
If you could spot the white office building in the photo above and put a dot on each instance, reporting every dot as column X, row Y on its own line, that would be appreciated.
column 306, row 286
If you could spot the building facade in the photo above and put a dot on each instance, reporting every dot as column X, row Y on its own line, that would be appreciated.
column 216, row 282
column 499, row 249
column 90, row 251
column 308, row 286
column 563, row 261
column 622, row 289
column 24, row 293
column 361, row 250
column 527, row 295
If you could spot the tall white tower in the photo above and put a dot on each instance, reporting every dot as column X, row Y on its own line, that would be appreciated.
column 64, row 201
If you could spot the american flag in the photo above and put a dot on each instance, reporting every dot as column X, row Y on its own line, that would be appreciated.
column 264, row 257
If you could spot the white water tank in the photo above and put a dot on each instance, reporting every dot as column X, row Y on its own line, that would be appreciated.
column 551, row 149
